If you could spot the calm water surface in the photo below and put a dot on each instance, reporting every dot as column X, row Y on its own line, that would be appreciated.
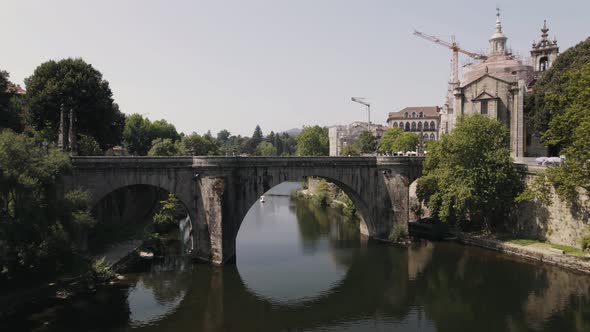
column 303, row 268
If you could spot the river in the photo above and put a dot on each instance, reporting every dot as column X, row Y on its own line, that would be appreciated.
column 304, row 268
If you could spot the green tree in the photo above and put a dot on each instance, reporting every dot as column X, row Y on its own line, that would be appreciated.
column 140, row 132
column 163, row 129
column 366, row 142
column 559, row 88
column 136, row 135
column 40, row 231
column 395, row 140
column 313, row 141
column 350, row 150
column 253, row 142
column 166, row 147
column 469, row 175
column 10, row 106
column 76, row 85
column 88, row 146
column 405, row 142
column 223, row 136
column 168, row 215
column 266, row 149
column 197, row 145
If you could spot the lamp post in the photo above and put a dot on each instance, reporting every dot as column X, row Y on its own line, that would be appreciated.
column 363, row 102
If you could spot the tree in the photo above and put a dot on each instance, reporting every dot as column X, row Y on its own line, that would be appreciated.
column 395, row 140
column 266, row 149
column 87, row 146
column 405, row 142
column 10, row 107
column 469, row 175
column 559, row 88
column 560, row 109
column 350, row 150
column 223, row 136
column 313, row 141
column 140, row 132
column 136, row 135
column 197, row 145
column 40, row 231
column 76, row 85
column 366, row 142
column 163, row 129
column 253, row 142
column 166, row 147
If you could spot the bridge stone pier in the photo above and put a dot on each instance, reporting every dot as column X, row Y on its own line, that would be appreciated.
column 219, row 191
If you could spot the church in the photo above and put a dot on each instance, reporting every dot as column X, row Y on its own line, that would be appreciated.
column 496, row 87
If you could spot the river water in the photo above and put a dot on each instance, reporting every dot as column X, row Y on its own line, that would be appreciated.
column 304, row 268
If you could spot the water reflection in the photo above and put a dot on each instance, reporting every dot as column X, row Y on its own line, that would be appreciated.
column 279, row 245
column 299, row 268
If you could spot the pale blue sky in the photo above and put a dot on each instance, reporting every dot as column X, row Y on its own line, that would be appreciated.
column 278, row 63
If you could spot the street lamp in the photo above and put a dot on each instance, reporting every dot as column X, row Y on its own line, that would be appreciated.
column 362, row 101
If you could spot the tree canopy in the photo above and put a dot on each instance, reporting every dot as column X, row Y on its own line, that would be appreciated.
column 469, row 175
column 10, row 116
column 366, row 142
column 266, row 149
column 395, row 140
column 40, row 231
column 313, row 141
column 166, row 147
column 76, row 85
column 140, row 132
column 558, row 89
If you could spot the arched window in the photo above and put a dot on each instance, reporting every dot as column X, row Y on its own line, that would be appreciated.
column 543, row 63
column 426, row 137
column 432, row 125
column 394, row 125
column 413, row 114
column 421, row 115
column 406, row 115
column 413, row 126
column 432, row 138
column 426, row 125
column 419, row 126
column 407, row 126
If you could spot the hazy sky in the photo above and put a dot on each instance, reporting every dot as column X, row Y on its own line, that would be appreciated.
column 278, row 63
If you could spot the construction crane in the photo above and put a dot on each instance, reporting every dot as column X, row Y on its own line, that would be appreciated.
column 455, row 48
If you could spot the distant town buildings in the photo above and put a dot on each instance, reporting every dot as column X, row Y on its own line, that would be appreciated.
column 340, row 136
column 424, row 120
column 495, row 86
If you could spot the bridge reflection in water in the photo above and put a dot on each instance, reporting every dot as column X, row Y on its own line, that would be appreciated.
column 428, row 287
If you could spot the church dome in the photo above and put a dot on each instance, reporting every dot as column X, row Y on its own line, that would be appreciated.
column 505, row 67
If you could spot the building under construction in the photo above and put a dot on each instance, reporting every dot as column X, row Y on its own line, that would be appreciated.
column 495, row 86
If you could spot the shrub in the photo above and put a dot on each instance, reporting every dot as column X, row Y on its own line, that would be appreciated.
column 398, row 232
column 101, row 270
column 585, row 241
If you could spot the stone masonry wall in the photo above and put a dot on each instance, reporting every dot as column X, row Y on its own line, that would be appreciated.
column 559, row 223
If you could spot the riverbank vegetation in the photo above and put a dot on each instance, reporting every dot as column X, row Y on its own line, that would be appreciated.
column 322, row 193
column 469, row 176
column 559, row 107
column 42, row 231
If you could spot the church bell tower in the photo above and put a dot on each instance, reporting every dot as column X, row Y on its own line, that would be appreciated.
column 544, row 52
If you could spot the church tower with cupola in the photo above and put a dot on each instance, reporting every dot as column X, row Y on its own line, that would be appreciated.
column 544, row 52
column 498, row 40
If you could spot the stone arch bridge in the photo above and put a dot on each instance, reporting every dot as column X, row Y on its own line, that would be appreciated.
column 219, row 191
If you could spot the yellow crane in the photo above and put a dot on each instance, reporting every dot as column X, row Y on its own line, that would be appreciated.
column 454, row 46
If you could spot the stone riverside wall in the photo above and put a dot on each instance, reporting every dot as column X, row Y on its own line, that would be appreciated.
column 528, row 252
column 559, row 223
